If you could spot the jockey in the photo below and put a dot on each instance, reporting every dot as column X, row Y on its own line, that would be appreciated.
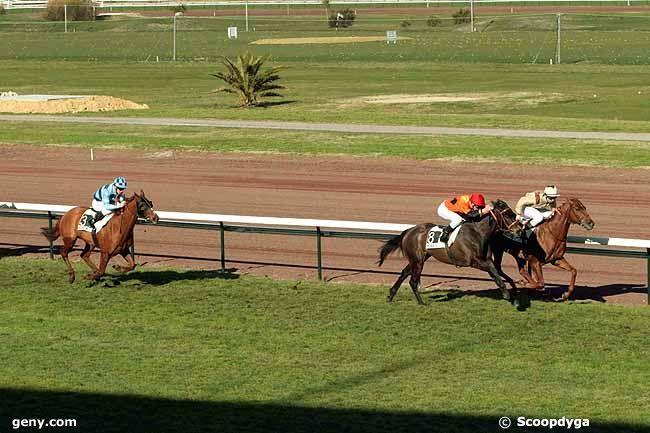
column 537, row 206
column 457, row 210
column 108, row 198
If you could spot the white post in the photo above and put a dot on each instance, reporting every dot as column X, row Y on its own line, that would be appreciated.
column 246, row 16
column 92, row 156
column 177, row 14
column 557, row 45
column 65, row 18
column 471, row 14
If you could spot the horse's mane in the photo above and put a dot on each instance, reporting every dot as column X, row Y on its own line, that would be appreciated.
column 500, row 204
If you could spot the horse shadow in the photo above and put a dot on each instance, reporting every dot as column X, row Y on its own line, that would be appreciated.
column 160, row 278
column 552, row 293
column 590, row 293
column 445, row 295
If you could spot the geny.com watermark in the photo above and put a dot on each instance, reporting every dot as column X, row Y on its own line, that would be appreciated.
column 564, row 422
column 42, row 423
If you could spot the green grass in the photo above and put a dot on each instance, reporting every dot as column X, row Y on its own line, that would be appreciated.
column 175, row 337
column 603, row 86
column 419, row 147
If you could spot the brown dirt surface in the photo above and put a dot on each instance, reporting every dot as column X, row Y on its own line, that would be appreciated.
column 344, row 188
column 91, row 103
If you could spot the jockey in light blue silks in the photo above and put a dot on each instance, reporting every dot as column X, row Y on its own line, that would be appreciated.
column 107, row 199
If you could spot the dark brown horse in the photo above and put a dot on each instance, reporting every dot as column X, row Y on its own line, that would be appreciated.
column 472, row 247
column 115, row 238
column 548, row 245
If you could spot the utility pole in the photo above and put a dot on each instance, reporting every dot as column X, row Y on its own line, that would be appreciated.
column 471, row 15
column 557, row 45
column 176, row 15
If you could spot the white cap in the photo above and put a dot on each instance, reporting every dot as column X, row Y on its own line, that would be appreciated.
column 551, row 191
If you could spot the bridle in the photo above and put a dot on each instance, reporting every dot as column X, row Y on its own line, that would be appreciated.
column 498, row 216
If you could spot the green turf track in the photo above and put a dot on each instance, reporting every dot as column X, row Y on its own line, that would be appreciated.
column 170, row 350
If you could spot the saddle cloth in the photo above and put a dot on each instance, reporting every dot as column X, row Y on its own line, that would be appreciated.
column 433, row 237
column 98, row 224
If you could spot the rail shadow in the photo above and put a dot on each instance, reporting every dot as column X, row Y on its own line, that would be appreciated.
column 109, row 413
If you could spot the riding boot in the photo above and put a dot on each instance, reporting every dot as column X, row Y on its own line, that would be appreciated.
column 446, row 231
column 526, row 234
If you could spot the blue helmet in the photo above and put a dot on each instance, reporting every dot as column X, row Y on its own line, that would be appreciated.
column 120, row 182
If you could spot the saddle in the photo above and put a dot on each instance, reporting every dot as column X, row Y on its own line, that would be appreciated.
column 92, row 221
column 433, row 238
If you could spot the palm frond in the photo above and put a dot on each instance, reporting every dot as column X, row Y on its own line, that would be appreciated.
column 246, row 77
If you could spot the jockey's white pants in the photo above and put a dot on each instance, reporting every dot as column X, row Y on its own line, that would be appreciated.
column 535, row 215
column 98, row 206
column 453, row 217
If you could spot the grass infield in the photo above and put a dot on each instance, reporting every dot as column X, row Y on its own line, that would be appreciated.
column 188, row 350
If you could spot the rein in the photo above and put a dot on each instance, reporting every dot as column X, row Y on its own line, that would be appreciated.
column 501, row 220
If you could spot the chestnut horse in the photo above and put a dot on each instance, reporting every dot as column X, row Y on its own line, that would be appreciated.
column 115, row 238
column 548, row 245
column 472, row 247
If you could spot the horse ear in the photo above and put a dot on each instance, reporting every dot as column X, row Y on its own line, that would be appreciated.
column 142, row 193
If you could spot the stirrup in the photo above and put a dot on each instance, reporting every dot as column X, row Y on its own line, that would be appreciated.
column 513, row 237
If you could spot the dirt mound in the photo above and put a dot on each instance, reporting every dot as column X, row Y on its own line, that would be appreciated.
column 73, row 105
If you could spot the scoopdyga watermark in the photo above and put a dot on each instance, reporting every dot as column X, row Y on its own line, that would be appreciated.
column 550, row 423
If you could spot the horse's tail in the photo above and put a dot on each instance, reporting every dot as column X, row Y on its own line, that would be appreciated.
column 51, row 234
column 389, row 246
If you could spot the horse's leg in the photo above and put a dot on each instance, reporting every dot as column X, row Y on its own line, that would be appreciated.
column 562, row 263
column 68, row 244
column 498, row 258
column 414, row 282
column 538, row 278
column 126, row 254
column 103, row 262
column 489, row 267
column 393, row 290
column 528, row 280
column 85, row 254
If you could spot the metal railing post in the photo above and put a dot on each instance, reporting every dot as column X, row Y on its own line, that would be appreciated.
column 318, row 252
column 223, row 250
column 648, row 277
column 49, row 225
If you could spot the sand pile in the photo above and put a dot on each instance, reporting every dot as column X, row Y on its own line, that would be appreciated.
column 73, row 105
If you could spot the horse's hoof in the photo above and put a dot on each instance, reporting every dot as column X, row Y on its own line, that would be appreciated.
column 71, row 279
column 389, row 299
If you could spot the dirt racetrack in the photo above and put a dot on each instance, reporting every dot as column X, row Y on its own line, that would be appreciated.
column 363, row 189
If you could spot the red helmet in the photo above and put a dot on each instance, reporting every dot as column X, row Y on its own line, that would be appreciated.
column 477, row 199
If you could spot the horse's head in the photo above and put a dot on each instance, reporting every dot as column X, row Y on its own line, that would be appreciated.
column 506, row 218
column 578, row 213
column 145, row 208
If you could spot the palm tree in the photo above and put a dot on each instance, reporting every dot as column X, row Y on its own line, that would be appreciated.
column 247, row 79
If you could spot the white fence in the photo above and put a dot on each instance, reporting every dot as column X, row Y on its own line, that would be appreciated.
column 299, row 223
column 318, row 229
column 233, row 219
column 41, row 4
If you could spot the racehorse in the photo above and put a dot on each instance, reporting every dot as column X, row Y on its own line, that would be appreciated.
column 548, row 245
column 472, row 247
column 115, row 238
